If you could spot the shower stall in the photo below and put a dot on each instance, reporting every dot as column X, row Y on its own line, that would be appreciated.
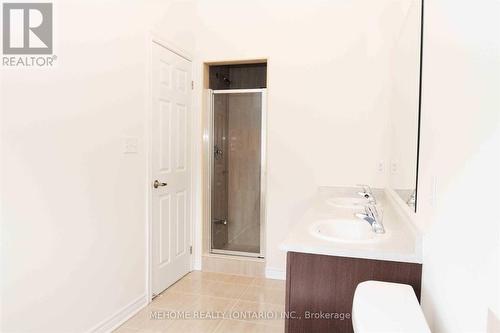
column 237, row 171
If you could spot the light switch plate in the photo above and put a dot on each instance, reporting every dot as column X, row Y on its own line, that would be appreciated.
column 130, row 145
column 434, row 190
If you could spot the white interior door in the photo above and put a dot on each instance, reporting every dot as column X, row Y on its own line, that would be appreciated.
column 171, row 86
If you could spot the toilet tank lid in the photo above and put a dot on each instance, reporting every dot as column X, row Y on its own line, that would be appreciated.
column 387, row 307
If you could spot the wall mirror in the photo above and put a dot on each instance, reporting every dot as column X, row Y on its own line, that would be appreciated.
column 404, row 106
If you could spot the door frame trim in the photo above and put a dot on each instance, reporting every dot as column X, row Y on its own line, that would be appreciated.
column 263, row 172
column 155, row 38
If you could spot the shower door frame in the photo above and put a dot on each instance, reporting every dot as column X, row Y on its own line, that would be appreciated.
column 263, row 169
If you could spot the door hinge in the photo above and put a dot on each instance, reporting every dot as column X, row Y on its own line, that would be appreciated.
column 191, row 249
column 192, row 85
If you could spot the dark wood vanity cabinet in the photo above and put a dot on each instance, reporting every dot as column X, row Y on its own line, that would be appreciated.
column 320, row 288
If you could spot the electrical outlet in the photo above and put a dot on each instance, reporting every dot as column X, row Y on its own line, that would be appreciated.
column 394, row 167
column 381, row 166
column 130, row 145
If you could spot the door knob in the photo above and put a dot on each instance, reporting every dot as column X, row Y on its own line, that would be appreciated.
column 157, row 184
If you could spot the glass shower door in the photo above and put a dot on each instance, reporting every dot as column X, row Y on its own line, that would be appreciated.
column 236, row 171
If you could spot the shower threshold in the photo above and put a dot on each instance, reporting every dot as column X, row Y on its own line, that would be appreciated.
column 237, row 253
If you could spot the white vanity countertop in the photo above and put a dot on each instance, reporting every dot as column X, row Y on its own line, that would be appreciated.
column 401, row 242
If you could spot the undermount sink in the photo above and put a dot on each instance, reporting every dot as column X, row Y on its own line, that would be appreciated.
column 347, row 202
column 344, row 230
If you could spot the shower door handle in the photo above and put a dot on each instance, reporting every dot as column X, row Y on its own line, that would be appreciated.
column 220, row 221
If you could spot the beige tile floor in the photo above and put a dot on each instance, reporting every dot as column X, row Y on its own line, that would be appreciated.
column 234, row 303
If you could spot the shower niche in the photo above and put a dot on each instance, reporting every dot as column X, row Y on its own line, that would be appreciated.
column 237, row 158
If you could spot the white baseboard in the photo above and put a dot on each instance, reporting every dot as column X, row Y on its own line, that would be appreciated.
column 273, row 273
column 121, row 316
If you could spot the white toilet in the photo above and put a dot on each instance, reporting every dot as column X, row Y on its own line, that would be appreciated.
column 383, row 307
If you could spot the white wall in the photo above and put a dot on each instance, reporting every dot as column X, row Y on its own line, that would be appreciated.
column 73, row 205
column 327, row 69
column 461, row 151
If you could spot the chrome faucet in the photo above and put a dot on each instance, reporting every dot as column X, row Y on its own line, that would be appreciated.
column 412, row 200
column 367, row 193
column 372, row 216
